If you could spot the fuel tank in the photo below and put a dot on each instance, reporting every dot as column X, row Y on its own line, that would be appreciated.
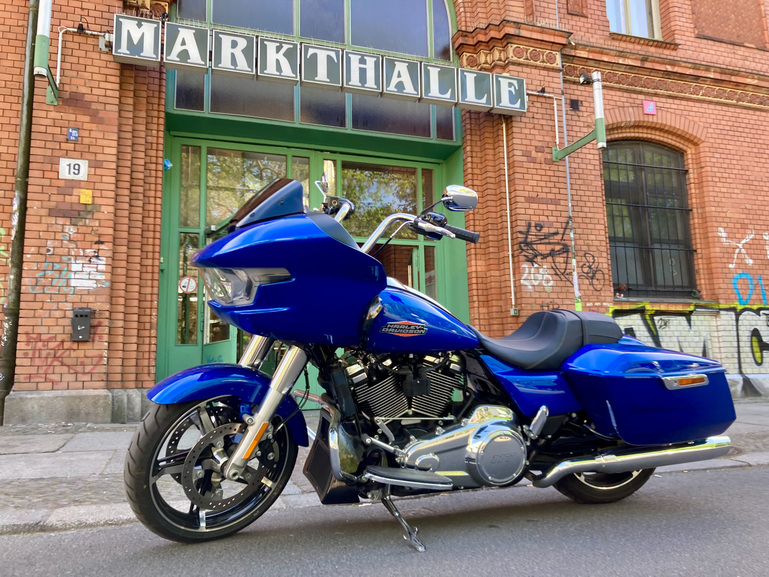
column 402, row 320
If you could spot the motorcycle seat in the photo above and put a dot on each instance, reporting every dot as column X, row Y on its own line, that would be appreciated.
column 547, row 338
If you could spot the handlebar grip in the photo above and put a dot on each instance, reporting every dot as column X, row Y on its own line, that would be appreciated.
column 463, row 234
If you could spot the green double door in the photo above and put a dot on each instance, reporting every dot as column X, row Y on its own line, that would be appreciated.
column 209, row 181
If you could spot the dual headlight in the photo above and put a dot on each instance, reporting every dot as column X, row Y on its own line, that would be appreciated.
column 233, row 287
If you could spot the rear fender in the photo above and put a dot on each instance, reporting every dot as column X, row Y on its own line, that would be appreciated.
column 209, row 381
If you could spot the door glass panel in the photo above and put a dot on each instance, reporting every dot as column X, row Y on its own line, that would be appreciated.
column 216, row 329
column 329, row 171
column 234, row 176
column 431, row 274
column 322, row 19
column 398, row 262
column 269, row 15
column 377, row 192
column 300, row 170
column 427, row 188
column 187, row 295
column 189, row 208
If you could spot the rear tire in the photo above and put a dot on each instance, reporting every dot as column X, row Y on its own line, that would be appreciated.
column 171, row 473
column 597, row 488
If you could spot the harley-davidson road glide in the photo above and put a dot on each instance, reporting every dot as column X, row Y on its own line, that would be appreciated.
column 415, row 400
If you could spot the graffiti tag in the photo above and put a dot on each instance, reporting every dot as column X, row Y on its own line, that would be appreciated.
column 541, row 247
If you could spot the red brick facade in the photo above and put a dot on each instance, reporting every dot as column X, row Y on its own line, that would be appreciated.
column 710, row 84
column 102, row 255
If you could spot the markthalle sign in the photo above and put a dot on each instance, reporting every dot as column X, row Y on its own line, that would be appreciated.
column 192, row 48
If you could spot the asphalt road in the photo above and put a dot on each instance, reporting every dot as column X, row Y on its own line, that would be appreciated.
column 700, row 523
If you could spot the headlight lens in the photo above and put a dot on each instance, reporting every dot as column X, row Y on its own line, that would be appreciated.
column 233, row 287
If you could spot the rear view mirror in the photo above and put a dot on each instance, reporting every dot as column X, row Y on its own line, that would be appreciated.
column 458, row 198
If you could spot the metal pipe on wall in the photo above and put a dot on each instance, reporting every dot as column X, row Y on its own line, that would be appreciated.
column 10, row 336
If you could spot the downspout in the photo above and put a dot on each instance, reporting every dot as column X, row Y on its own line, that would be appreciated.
column 10, row 336
column 575, row 280
column 513, row 308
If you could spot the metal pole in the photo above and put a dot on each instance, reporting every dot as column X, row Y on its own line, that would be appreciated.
column 10, row 336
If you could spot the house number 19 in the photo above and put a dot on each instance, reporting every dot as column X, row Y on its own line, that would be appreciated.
column 73, row 169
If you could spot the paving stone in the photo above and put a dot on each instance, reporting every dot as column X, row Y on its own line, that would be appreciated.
column 99, row 441
column 32, row 444
column 90, row 515
column 54, row 465
column 301, row 501
column 15, row 520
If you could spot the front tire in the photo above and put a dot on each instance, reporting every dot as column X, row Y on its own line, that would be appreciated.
column 172, row 471
column 596, row 488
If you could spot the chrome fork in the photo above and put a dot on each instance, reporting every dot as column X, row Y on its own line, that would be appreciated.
column 286, row 374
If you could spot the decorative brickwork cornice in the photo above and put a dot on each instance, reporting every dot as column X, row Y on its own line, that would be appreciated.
column 654, row 74
column 656, row 84
column 499, row 44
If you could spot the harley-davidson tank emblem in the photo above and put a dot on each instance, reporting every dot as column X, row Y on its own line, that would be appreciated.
column 404, row 329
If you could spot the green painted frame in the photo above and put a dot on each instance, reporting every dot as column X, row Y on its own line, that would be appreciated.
column 451, row 262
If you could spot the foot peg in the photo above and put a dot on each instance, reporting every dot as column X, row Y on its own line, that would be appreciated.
column 411, row 534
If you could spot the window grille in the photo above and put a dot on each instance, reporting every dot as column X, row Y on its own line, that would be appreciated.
column 648, row 214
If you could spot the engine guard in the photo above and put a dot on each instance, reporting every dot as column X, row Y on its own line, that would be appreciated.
column 208, row 381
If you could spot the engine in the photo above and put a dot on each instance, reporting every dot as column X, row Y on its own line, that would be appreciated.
column 406, row 387
column 409, row 402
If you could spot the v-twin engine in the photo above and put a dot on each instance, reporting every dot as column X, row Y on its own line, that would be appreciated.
column 487, row 449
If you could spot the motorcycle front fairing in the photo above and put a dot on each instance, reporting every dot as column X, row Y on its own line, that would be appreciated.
column 325, row 266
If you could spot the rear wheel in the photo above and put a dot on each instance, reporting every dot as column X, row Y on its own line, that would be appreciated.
column 602, row 487
column 174, row 464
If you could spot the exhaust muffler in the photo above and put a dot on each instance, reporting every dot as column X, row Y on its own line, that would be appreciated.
column 636, row 458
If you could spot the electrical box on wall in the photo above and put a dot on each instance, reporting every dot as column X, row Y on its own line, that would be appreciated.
column 81, row 324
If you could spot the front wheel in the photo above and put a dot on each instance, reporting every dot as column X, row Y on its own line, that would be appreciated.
column 597, row 488
column 173, row 470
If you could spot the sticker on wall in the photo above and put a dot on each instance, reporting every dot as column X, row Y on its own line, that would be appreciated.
column 650, row 107
column 188, row 285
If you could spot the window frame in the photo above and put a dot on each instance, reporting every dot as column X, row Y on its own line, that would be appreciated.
column 629, row 207
column 627, row 23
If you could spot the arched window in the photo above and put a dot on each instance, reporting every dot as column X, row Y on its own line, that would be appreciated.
column 648, row 216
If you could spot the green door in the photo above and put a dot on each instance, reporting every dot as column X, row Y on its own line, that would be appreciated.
column 209, row 181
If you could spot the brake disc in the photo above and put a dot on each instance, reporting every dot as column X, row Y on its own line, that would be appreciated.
column 201, row 476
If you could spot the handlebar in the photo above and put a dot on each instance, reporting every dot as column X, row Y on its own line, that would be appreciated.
column 463, row 234
column 421, row 226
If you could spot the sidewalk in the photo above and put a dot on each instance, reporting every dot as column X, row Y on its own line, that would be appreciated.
column 64, row 476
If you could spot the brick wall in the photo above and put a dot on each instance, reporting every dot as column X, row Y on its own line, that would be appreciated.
column 102, row 255
column 712, row 102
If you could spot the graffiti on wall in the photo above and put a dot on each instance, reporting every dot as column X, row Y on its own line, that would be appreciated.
column 738, row 337
column 54, row 355
column 68, row 275
column 591, row 272
column 546, row 248
column 749, row 288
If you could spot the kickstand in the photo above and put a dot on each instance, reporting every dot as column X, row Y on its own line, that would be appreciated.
column 411, row 534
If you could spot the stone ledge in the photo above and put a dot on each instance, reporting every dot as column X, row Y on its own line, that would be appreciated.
column 90, row 406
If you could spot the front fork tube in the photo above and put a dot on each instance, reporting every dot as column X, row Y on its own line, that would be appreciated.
column 286, row 374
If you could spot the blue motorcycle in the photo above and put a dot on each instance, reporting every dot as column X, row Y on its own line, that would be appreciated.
column 415, row 401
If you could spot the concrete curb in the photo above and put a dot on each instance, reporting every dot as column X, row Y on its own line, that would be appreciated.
column 19, row 521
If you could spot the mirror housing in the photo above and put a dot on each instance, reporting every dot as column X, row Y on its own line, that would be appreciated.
column 458, row 198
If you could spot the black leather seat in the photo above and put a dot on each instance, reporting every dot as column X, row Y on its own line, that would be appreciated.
column 547, row 338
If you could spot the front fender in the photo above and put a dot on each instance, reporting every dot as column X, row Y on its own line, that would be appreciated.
column 209, row 381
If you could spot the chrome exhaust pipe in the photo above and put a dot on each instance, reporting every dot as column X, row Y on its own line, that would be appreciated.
column 633, row 459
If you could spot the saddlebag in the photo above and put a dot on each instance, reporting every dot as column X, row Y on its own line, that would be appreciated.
column 650, row 396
